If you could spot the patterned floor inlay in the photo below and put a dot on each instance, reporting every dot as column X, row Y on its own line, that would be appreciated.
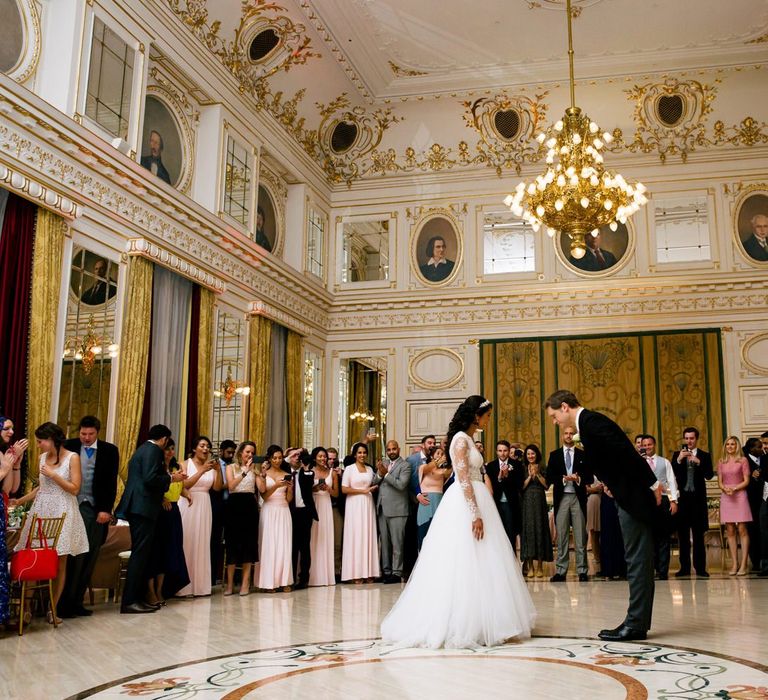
column 542, row 667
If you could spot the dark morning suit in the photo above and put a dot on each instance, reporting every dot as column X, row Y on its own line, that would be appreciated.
column 755, row 250
column 302, row 518
column 763, row 518
column 755, row 497
column 574, row 510
column 692, row 513
column 162, row 173
column 142, row 500
column 590, row 263
column 104, row 489
column 98, row 293
column 509, row 508
column 615, row 462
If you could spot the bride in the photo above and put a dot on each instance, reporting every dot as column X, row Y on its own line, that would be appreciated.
column 466, row 589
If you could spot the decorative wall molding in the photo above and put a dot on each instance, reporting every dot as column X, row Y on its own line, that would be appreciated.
column 278, row 190
column 43, row 195
column 30, row 51
column 261, row 308
column 451, row 363
column 161, row 256
column 754, row 354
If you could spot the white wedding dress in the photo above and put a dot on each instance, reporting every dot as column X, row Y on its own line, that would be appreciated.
column 463, row 592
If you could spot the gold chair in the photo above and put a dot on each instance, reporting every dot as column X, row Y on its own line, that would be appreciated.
column 715, row 531
column 51, row 530
column 122, row 574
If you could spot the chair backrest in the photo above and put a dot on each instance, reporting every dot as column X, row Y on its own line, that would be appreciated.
column 713, row 512
column 51, row 528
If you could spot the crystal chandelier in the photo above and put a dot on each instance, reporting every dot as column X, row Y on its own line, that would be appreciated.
column 89, row 347
column 576, row 195
column 231, row 388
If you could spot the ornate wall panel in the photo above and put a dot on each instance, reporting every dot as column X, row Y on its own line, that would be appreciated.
column 436, row 369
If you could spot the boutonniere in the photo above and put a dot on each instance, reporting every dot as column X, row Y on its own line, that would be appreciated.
column 310, row 473
column 577, row 442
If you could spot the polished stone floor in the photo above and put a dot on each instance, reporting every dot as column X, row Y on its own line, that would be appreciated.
column 708, row 641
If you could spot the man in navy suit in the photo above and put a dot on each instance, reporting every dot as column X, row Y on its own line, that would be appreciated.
column 99, row 461
column 507, row 475
column 616, row 462
column 148, row 480
column 303, row 512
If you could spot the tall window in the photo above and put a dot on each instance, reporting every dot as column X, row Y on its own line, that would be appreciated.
column 682, row 229
column 315, row 243
column 311, row 400
column 508, row 245
column 237, row 183
column 110, row 80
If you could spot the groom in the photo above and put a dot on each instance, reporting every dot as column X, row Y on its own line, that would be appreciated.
column 627, row 476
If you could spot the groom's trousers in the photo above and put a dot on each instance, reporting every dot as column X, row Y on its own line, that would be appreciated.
column 638, row 551
column 392, row 531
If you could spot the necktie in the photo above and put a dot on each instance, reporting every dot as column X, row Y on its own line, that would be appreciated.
column 89, row 451
column 568, row 461
column 600, row 258
column 689, row 476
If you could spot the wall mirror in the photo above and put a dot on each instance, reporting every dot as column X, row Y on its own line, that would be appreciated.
column 229, row 379
column 365, row 250
column 363, row 404
column 682, row 229
column 90, row 345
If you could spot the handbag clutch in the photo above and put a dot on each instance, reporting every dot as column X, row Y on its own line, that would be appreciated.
column 35, row 563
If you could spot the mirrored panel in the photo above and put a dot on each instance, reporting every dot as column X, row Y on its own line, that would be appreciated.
column 312, row 388
column 363, row 402
column 229, row 378
column 365, row 250
column 90, row 345
column 682, row 229
column 509, row 244
column 237, row 182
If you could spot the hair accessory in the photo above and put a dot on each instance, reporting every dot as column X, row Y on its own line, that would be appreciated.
column 484, row 404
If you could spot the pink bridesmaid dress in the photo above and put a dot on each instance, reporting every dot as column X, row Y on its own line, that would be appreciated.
column 321, row 572
column 360, row 556
column 275, row 541
column 734, row 508
column 196, row 525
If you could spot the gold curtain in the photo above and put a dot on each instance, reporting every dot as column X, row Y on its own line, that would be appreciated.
column 205, row 361
column 657, row 383
column 294, row 387
column 134, row 356
column 46, row 284
column 260, row 341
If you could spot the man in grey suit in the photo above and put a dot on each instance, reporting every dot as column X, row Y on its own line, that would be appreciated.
column 393, row 478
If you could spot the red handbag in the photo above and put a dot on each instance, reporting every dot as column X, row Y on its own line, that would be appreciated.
column 35, row 563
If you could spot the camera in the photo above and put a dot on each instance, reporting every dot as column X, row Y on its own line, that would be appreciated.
column 642, row 451
column 683, row 448
column 287, row 477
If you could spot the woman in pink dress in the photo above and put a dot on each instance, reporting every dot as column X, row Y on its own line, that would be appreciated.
column 321, row 573
column 733, row 479
column 360, row 553
column 203, row 474
column 275, row 526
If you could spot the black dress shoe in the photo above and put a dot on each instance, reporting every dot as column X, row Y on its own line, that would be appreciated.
column 82, row 611
column 621, row 634
column 682, row 573
column 558, row 578
column 136, row 609
column 583, row 578
column 703, row 574
column 65, row 613
column 392, row 579
column 663, row 577
column 300, row 585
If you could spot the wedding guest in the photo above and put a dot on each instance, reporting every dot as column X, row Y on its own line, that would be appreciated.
column 303, row 514
column 322, row 572
column 275, row 526
column 241, row 522
column 99, row 461
column 168, row 568
column 753, row 451
column 6, row 466
column 60, row 480
column 361, row 552
column 613, row 565
column 594, row 496
column 203, row 474
column 432, row 478
column 733, row 478
column 536, row 539
column 218, row 505
column 11, row 483
column 338, row 511
column 506, row 474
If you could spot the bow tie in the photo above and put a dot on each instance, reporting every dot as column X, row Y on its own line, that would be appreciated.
column 89, row 451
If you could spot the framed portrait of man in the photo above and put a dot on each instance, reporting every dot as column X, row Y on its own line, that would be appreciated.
column 93, row 279
column 436, row 251
column 752, row 226
column 603, row 251
column 266, row 220
column 162, row 152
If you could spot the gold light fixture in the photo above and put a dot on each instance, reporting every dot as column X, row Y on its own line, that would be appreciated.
column 576, row 195
column 363, row 415
column 231, row 388
column 87, row 348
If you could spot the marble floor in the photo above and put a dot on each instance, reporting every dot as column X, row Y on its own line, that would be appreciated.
column 708, row 641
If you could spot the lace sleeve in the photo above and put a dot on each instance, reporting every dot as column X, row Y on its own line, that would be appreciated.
column 461, row 469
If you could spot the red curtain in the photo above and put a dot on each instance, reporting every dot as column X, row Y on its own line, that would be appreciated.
column 16, row 249
column 192, row 378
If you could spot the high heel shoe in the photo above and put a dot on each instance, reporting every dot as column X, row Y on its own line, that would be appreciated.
column 52, row 619
column 742, row 572
column 732, row 572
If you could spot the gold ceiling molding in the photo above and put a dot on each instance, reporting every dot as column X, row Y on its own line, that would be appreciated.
column 485, row 114
column 38, row 193
column 762, row 39
column 262, row 308
column 161, row 256
column 401, row 72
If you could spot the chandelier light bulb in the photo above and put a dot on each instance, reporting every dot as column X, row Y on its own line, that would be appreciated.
column 577, row 139
column 593, row 128
column 540, row 210
column 578, row 251
column 613, row 226
column 594, row 233
column 559, row 125
column 561, row 181
column 78, row 356
column 552, row 142
column 551, row 232
column 540, row 138
column 607, row 137
column 608, row 204
column 559, row 204
column 594, row 181
column 585, row 202
column 96, row 349
column 598, row 143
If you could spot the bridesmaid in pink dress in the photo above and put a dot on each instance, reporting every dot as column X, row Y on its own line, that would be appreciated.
column 321, row 573
column 733, row 479
column 275, row 527
column 360, row 556
column 203, row 474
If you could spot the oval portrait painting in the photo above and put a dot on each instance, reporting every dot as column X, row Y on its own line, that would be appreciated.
column 437, row 250
column 604, row 251
column 93, row 279
column 752, row 225
column 162, row 152
column 266, row 220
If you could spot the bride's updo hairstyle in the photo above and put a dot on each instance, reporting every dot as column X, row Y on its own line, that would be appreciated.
column 472, row 407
